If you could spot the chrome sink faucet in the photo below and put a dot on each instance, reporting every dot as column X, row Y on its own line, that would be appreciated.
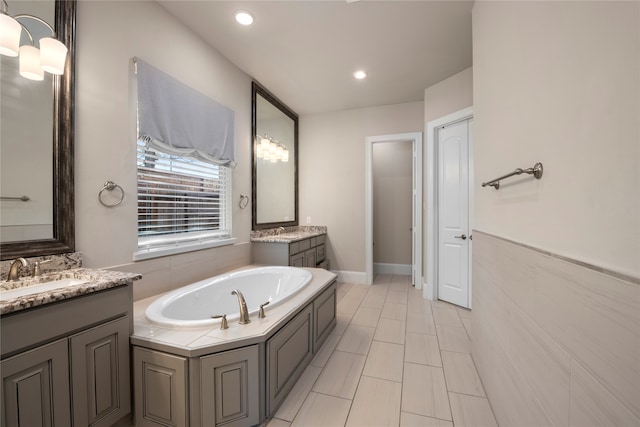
column 14, row 270
column 244, row 313
column 280, row 230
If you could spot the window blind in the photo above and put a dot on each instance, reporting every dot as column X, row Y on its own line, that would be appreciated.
column 180, row 120
column 181, row 201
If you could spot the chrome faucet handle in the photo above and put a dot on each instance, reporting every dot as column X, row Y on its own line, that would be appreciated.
column 223, row 324
column 261, row 312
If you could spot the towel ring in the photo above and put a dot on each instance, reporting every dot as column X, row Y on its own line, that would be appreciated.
column 110, row 186
column 244, row 201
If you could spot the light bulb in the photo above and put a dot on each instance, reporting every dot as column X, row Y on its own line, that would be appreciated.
column 244, row 18
column 285, row 155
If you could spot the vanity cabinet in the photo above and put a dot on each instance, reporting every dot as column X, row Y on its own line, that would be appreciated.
column 35, row 387
column 100, row 381
column 68, row 363
column 309, row 252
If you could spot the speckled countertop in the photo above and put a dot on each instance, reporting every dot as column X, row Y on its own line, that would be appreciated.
column 289, row 235
column 86, row 281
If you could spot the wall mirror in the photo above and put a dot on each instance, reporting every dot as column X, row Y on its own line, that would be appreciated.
column 41, row 146
column 274, row 184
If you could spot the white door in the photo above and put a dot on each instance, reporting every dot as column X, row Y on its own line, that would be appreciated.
column 454, row 241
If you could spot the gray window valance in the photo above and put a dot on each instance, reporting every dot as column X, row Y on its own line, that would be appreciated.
column 179, row 120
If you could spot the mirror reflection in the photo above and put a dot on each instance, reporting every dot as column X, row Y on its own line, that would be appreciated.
column 36, row 138
column 275, row 131
column 26, row 148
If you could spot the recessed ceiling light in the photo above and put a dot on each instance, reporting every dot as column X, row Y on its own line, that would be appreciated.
column 359, row 74
column 244, row 18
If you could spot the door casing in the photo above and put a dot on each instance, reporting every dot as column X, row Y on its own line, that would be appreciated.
column 416, row 139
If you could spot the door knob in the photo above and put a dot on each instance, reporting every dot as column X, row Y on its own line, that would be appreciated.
column 463, row 237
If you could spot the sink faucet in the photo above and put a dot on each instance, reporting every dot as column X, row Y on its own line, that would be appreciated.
column 244, row 313
column 280, row 230
column 14, row 270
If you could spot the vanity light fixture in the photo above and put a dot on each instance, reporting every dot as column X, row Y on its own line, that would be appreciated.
column 360, row 74
column 51, row 56
column 271, row 150
column 244, row 18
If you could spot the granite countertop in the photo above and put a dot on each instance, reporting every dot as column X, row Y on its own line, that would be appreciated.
column 289, row 235
column 31, row 292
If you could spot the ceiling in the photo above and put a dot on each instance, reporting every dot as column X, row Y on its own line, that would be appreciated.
column 305, row 52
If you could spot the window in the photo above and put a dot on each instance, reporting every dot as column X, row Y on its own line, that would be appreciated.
column 183, row 204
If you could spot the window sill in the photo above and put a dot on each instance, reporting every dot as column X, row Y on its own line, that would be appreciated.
column 142, row 254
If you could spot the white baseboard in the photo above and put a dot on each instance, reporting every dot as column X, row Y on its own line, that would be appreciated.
column 355, row 277
column 384, row 268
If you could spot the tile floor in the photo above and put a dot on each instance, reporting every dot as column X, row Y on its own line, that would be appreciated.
column 394, row 359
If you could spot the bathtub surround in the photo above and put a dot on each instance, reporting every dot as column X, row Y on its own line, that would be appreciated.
column 199, row 361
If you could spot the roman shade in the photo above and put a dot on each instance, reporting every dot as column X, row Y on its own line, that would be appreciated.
column 178, row 120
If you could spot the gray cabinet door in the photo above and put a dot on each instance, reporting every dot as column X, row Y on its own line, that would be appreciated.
column 35, row 387
column 310, row 258
column 297, row 260
column 230, row 388
column 160, row 389
column 100, row 374
column 324, row 316
column 289, row 352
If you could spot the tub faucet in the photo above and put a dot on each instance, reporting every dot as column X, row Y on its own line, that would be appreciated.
column 244, row 313
column 14, row 270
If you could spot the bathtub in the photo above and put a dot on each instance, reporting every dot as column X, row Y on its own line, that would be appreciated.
column 193, row 305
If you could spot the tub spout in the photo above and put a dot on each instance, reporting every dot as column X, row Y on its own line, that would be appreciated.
column 244, row 313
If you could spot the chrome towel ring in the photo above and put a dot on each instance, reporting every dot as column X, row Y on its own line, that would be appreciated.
column 110, row 186
column 244, row 201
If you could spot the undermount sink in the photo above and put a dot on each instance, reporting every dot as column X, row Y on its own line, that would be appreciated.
column 6, row 295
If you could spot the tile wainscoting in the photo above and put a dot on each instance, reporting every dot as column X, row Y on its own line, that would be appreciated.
column 555, row 342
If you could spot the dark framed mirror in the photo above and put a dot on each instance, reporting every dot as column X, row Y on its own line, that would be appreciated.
column 61, row 183
column 274, row 177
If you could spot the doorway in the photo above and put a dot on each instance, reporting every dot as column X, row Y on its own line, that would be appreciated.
column 449, row 202
column 415, row 139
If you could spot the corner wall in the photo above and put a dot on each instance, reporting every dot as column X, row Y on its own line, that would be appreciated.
column 556, row 261
column 105, row 135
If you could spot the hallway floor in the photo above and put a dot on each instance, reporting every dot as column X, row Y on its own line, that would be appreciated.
column 394, row 359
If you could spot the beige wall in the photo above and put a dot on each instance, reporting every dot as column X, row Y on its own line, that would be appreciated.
column 448, row 96
column 332, row 160
column 392, row 206
column 557, row 83
column 556, row 342
column 105, row 134
column 443, row 98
